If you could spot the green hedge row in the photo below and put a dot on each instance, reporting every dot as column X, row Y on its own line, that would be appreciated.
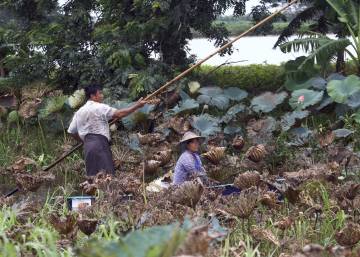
column 252, row 78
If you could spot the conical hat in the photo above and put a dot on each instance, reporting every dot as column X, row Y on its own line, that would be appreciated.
column 188, row 136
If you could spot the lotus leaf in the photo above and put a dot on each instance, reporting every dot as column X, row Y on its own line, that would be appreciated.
column 185, row 105
column 150, row 242
column 211, row 91
column 335, row 76
column 213, row 96
column 260, row 131
column 220, row 101
column 13, row 117
column 267, row 102
column 289, row 119
column 235, row 94
column 231, row 113
column 341, row 110
column 194, row 86
column 342, row 133
column 354, row 100
column 324, row 103
column 183, row 95
column 206, row 124
column 232, row 130
column 300, row 136
column 303, row 98
column 318, row 83
column 341, row 90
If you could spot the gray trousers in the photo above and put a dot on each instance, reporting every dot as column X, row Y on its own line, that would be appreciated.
column 98, row 156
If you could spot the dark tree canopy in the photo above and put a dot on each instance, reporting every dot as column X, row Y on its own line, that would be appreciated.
column 107, row 41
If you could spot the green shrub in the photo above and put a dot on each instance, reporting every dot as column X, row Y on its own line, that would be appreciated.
column 252, row 78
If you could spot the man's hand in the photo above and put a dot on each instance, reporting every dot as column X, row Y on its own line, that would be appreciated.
column 141, row 102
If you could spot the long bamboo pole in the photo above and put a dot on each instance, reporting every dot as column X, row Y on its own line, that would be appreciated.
column 178, row 77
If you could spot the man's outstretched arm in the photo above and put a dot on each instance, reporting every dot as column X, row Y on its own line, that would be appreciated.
column 126, row 111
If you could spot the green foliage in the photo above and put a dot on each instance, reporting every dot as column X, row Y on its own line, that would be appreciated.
column 213, row 96
column 252, row 78
column 298, row 78
column 341, row 90
column 185, row 106
column 52, row 105
column 13, row 117
column 343, row 15
column 289, row 119
column 206, row 124
column 303, row 98
column 267, row 102
column 232, row 112
column 322, row 48
column 342, row 133
column 69, row 47
column 158, row 241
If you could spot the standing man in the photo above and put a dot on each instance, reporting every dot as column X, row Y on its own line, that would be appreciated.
column 90, row 125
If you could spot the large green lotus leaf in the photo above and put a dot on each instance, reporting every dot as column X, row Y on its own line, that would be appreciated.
column 310, row 97
column 341, row 90
column 335, row 76
column 183, row 95
column 213, row 96
column 318, row 83
column 235, row 94
column 232, row 112
column 185, row 105
column 342, row 133
column 354, row 100
column 206, row 124
column 232, row 130
column 219, row 101
column 289, row 119
column 141, row 115
column 211, row 91
column 300, row 136
column 324, row 103
column 267, row 102
column 151, row 242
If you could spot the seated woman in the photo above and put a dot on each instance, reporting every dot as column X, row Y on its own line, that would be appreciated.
column 189, row 163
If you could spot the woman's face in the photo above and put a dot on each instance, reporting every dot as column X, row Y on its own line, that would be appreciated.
column 193, row 145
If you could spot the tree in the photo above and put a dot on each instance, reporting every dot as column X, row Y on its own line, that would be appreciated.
column 322, row 48
column 107, row 41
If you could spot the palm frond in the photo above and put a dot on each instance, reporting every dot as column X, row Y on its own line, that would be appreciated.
column 308, row 44
column 306, row 15
column 327, row 50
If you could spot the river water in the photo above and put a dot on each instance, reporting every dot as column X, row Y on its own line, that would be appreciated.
column 249, row 50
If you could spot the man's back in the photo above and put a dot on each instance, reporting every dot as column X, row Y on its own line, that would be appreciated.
column 92, row 118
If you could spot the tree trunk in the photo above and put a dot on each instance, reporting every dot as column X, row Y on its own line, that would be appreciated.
column 340, row 62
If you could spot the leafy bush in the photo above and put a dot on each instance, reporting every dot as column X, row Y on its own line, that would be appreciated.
column 252, row 78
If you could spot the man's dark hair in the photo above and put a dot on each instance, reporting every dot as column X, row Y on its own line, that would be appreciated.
column 91, row 90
